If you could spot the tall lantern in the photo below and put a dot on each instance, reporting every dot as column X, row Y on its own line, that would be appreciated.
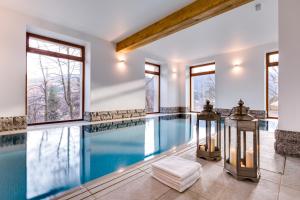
column 210, row 148
column 241, row 144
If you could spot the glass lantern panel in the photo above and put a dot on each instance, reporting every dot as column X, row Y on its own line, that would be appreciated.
column 214, row 128
column 218, row 135
column 233, row 147
column 202, row 132
column 226, row 143
column 248, row 150
column 208, row 130
column 242, row 149
column 211, row 136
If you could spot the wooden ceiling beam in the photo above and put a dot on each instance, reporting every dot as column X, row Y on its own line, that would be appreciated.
column 194, row 13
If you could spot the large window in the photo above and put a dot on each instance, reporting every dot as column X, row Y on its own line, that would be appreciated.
column 202, row 86
column 152, row 74
column 55, row 85
column 272, row 84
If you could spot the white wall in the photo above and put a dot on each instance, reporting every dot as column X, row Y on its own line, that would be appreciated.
column 289, row 65
column 172, row 84
column 110, row 85
column 12, row 65
column 246, row 82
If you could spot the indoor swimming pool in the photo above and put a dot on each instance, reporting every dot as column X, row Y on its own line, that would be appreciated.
column 42, row 163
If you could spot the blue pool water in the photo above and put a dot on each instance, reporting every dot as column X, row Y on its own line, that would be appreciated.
column 40, row 164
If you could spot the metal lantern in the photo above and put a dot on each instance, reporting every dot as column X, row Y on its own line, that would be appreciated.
column 241, row 144
column 211, row 150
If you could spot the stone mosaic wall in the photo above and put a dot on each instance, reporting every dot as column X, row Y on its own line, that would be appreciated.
column 110, row 115
column 12, row 123
column 174, row 109
column 112, row 125
column 287, row 143
column 95, row 128
column 259, row 114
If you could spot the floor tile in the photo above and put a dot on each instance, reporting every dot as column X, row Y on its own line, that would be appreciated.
column 191, row 155
column 85, row 195
column 291, row 180
column 72, row 193
column 148, row 171
column 291, row 174
column 187, row 195
column 145, row 188
column 292, row 165
column 211, row 183
column 127, row 176
column 102, row 190
column 287, row 193
column 272, row 164
column 271, row 176
column 264, row 190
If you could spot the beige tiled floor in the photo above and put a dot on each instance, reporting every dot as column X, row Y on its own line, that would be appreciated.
column 279, row 181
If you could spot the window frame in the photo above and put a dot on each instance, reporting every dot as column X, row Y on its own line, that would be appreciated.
column 56, row 55
column 268, row 65
column 157, row 74
column 199, row 74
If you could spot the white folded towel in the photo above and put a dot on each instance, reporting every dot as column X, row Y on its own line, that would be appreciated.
column 179, row 187
column 176, row 172
column 173, row 180
column 177, row 167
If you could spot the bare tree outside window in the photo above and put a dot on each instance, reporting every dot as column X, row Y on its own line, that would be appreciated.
column 203, row 89
column 54, row 84
column 152, row 88
column 202, row 86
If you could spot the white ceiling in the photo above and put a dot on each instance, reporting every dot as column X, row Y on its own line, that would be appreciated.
column 114, row 20
column 238, row 29
column 111, row 20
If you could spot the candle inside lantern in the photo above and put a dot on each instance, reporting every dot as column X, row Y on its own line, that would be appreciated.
column 242, row 165
column 212, row 144
column 249, row 158
column 202, row 147
column 232, row 156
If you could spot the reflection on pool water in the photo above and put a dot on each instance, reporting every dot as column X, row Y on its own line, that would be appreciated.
column 40, row 164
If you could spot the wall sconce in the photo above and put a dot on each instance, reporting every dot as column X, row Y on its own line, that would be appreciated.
column 174, row 73
column 236, row 65
column 121, row 58
column 121, row 64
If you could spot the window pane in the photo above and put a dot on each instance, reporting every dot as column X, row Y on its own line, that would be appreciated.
column 54, row 47
column 152, row 93
column 54, row 89
column 202, row 88
column 273, row 91
column 273, row 58
column 203, row 69
column 151, row 68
